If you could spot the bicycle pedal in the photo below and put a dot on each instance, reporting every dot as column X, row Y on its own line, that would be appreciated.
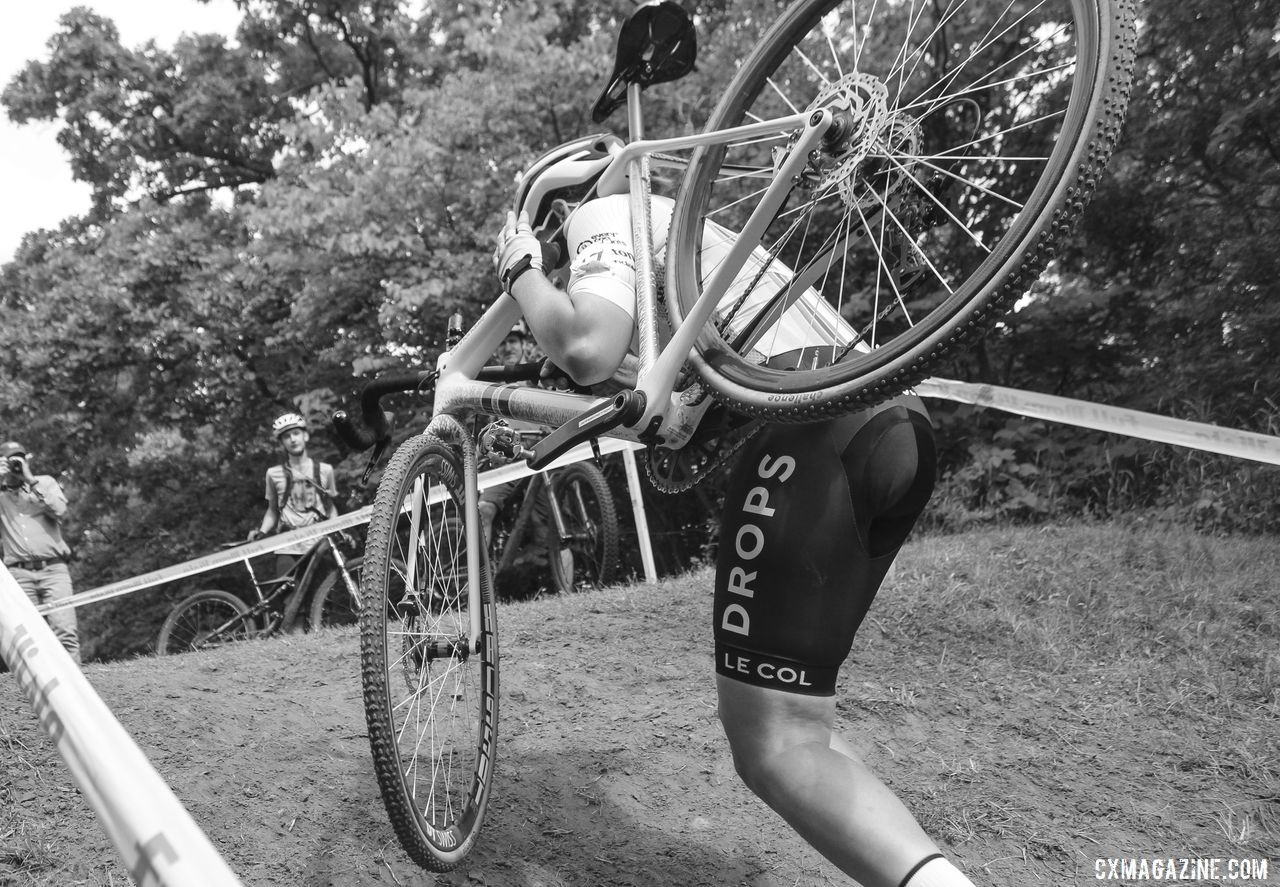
column 499, row 443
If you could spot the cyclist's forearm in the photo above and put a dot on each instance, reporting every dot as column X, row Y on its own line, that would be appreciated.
column 270, row 521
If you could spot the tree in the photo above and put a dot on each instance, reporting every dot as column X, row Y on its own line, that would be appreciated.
column 201, row 117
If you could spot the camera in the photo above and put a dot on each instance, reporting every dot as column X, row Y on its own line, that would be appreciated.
column 15, row 464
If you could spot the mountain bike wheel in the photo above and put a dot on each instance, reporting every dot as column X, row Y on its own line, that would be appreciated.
column 207, row 618
column 971, row 136
column 431, row 699
column 588, row 556
column 332, row 604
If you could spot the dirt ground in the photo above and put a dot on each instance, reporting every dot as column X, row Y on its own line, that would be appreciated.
column 612, row 767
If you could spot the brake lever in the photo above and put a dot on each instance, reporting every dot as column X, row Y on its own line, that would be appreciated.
column 379, row 447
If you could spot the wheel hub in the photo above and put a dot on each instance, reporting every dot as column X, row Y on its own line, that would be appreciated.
column 874, row 157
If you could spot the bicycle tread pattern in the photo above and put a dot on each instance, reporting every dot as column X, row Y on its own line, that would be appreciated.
column 405, row 821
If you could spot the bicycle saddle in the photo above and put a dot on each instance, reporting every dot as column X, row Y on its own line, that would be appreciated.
column 657, row 44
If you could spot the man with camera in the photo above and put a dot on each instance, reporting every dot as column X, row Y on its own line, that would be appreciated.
column 32, row 507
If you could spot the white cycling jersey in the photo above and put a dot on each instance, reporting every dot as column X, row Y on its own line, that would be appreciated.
column 602, row 262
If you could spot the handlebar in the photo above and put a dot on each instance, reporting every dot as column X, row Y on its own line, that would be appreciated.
column 376, row 421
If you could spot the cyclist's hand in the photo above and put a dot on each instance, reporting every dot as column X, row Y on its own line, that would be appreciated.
column 518, row 250
column 551, row 376
column 255, row 534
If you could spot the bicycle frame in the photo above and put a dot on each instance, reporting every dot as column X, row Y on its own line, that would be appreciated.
column 297, row 581
column 538, row 485
column 651, row 411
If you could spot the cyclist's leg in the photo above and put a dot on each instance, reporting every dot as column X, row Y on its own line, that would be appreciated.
column 787, row 753
column 814, row 517
column 491, row 502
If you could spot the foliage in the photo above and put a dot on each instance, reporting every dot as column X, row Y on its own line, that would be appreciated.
column 999, row 469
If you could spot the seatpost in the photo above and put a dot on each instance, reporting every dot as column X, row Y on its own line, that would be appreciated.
column 257, row 589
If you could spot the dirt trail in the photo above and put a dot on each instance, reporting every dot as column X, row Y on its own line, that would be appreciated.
column 612, row 767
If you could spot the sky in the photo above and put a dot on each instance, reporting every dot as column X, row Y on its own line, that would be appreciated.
column 36, row 189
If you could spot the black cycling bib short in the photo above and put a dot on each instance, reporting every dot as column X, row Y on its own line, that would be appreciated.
column 814, row 516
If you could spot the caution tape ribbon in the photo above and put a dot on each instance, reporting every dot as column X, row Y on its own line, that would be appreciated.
column 1132, row 423
column 157, row 839
column 503, row 474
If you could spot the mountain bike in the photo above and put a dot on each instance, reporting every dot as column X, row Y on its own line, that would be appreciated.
column 562, row 523
column 894, row 175
column 322, row 588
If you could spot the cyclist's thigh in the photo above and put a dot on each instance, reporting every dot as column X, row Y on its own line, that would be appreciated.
column 814, row 515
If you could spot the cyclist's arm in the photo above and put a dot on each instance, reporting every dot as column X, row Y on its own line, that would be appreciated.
column 584, row 334
column 271, row 519
column 330, row 489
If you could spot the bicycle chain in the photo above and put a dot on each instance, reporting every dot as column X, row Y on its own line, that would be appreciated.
column 707, row 451
column 677, row 471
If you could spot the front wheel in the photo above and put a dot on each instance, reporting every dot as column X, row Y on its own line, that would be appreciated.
column 969, row 137
column 430, row 672
column 586, row 556
column 207, row 618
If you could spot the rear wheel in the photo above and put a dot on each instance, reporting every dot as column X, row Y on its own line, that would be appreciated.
column 587, row 556
column 207, row 618
column 969, row 138
column 430, row 694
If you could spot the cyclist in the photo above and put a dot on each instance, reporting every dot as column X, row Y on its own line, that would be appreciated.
column 814, row 516
column 300, row 491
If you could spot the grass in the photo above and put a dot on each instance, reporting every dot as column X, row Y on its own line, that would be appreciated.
column 1165, row 641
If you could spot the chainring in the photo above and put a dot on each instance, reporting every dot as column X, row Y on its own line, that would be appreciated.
column 719, row 437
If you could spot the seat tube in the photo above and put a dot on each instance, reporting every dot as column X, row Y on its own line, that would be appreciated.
column 553, row 506
column 253, row 578
column 642, row 238
column 656, row 384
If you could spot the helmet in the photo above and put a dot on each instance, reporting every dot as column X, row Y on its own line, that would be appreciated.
column 12, row 448
column 287, row 422
column 554, row 184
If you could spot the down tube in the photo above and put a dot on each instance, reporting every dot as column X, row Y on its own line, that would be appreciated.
column 537, row 405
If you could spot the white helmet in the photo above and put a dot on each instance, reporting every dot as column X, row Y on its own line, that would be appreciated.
column 554, row 184
column 287, row 422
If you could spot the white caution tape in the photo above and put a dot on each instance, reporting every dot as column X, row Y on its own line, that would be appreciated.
column 505, row 474
column 1132, row 423
column 157, row 839
column 211, row 561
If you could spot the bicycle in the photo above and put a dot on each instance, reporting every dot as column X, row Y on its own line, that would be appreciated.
column 568, row 517
column 323, row 580
column 897, row 180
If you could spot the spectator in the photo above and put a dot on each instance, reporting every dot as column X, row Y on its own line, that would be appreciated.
column 32, row 507
column 515, row 349
column 300, row 491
